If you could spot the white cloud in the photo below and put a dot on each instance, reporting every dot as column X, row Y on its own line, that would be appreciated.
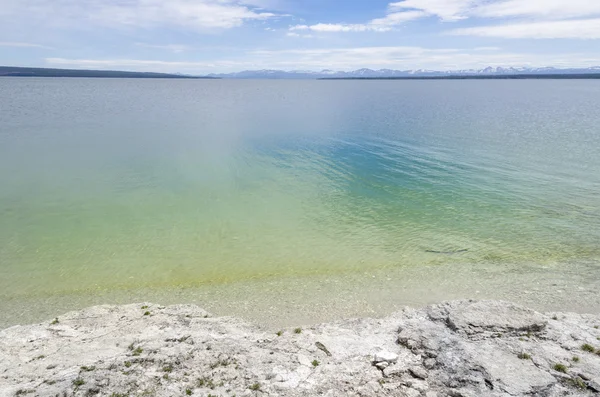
column 194, row 14
column 129, row 64
column 528, row 18
column 304, row 36
column 22, row 45
column 398, row 57
column 547, row 9
column 453, row 10
column 176, row 48
column 446, row 10
column 338, row 27
column 384, row 24
column 568, row 29
column 407, row 57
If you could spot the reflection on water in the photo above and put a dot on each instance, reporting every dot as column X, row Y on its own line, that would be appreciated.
column 120, row 185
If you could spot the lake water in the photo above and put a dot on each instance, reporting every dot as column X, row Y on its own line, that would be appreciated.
column 297, row 200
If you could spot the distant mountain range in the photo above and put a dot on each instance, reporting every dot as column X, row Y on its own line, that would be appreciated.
column 489, row 72
column 390, row 73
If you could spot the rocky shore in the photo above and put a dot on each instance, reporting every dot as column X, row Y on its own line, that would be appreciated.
column 461, row 348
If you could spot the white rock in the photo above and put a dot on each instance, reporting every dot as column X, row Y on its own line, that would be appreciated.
column 125, row 352
column 385, row 356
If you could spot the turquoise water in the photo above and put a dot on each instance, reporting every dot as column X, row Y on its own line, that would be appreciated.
column 121, row 185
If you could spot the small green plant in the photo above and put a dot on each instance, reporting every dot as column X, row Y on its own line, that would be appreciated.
column 166, row 376
column 127, row 364
column 575, row 359
column 78, row 382
column 40, row 357
column 255, row 387
column 55, row 321
column 146, row 313
column 188, row 392
column 524, row 356
column 168, row 368
column 315, row 363
column 137, row 351
column 145, row 307
column 88, row 369
column 298, row 331
column 578, row 383
column 220, row 363
column 554, row 317
column 49, row 382
column 596, row 326
column 586, row 347
column 279, row 333
column 206, row 382
column 560, row 368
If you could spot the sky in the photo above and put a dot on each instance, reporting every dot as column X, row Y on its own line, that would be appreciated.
column 212, row 36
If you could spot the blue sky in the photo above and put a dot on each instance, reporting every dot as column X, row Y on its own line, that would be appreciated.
column 203, row 36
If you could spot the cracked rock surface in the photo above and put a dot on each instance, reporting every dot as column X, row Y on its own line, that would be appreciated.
column 461, row 348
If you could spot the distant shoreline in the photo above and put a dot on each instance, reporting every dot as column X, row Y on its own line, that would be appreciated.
column 9, row 71
column 477, row 77
column 13, row 71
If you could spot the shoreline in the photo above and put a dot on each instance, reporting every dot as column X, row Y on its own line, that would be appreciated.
column 291, row 301
column 458, row 348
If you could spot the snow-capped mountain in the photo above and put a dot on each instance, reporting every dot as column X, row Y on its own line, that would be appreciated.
column 383, row 73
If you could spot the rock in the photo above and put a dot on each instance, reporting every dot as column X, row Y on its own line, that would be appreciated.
column 429, row 363
column 461, row 348
column 304, row 360
column 492, row 316
column 382, row 365
column 385, row 356
column 593, row 385
column 408, row 392
column 322, row 347
column 418, row 372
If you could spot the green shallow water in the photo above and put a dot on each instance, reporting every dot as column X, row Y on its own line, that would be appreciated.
column 115, row 186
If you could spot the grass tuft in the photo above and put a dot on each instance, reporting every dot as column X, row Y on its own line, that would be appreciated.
column 255, row 387
column 524, row 356
column 78, row 382
column 315, row 363
column 586, row 347
column 578, row 383
column 298, row 331
column 560, row 368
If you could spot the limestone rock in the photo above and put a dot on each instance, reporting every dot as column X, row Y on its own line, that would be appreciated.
column 385, row 356
column 461, row 348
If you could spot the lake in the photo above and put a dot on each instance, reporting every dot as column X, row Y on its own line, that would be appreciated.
column 297, row 201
